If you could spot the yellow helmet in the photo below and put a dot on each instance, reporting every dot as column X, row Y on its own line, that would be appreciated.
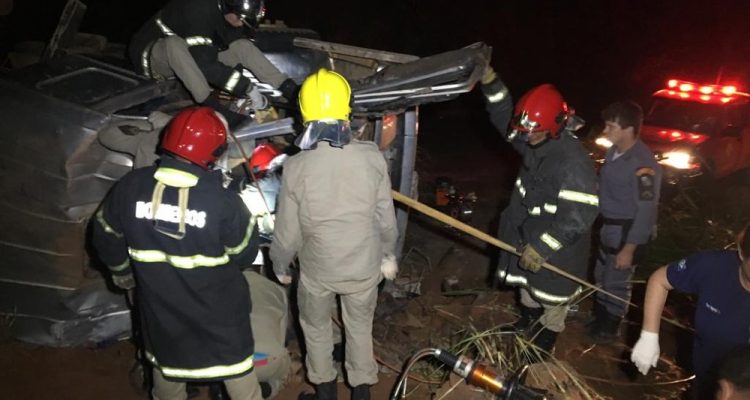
column 325, row 95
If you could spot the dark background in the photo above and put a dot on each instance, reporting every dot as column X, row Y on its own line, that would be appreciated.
column 595, row 51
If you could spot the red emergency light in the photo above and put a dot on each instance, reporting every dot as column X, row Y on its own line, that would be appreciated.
column 685, row 90
column 676, row 135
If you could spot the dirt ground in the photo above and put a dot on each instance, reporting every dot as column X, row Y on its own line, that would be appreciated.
column 433, row 252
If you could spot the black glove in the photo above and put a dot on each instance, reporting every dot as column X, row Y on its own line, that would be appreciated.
column 124, row 282
column 289, row 89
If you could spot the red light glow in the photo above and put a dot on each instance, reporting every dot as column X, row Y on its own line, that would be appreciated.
column 729, row 90
column 706, row 89
column 672, row 83
column 678, row 136
column 686, row 87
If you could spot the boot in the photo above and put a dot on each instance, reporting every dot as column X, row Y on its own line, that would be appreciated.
column 544, row 339
column 323, row 391
column 529, row 317
column 361, row 392
column 606, row 329
column 598, row 311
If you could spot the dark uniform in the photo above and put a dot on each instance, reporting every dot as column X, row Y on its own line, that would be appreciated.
column 629, row 197
column 191, row 295
column 552, row 208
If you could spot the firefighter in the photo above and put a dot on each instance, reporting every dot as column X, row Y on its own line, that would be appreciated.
column 178, row 237
column 551, row 209
column 721, row 282
column 336, row 214
column 204, row 44
column 629, row 185
column 269, row 320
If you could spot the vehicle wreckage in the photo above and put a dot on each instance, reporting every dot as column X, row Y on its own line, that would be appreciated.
column 55, row 170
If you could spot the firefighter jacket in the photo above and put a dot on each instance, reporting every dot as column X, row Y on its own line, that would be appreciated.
column 335, row 211
column 629, row 187
column 192, row 298
column 552, row 206
column 202, row 25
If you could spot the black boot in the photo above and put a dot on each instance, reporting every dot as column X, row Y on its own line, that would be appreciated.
column 544, row 339
column 361, row 392
column 598, row 311
column 606, row 330
column 529, row 317
column 323, row 391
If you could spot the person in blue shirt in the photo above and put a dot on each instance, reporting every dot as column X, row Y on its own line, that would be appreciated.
column 629, row 183
column 721, row 282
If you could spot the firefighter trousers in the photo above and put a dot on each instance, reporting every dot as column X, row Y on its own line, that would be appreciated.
column 553, row 317
column 170, row 57
column 245, row 387
column 357, row 312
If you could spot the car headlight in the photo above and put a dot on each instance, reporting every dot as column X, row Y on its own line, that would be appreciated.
column 678, row 160
column 603, row 142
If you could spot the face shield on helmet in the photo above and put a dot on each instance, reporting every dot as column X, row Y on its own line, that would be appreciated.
column 541, row 110
column 196, row 134
column 250, row 11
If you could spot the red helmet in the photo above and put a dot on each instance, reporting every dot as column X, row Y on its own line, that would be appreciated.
column 197, row 134
column 541, row 109
column 262, row 156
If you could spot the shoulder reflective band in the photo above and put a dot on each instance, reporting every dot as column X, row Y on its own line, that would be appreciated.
column 184, row 262
column 550, row 208
column 550, row 241
column 105, row 225
column 164, row 28
column 579, row 197
column 520, row 187
column 232, row 81
column 519, row 280
column 217, row 371
column 535, row 211
column 198, row 41
column 175, row 177
column 498, row 96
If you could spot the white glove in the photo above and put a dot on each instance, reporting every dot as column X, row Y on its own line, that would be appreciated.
column 266, row 223
column 257, row 100
column 254, row 201
column 277, row 162
column 389, row 267
column 646, row 351
column 284, row 279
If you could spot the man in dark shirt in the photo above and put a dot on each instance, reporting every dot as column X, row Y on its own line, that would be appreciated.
column 721, row 281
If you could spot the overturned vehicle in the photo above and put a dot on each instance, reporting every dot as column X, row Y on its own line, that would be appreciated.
column 55, row 168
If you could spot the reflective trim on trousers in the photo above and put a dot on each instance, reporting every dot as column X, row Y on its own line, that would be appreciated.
column 519, row 280
column 217, row 371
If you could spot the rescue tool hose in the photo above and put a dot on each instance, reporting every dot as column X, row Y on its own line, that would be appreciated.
column 431, row 212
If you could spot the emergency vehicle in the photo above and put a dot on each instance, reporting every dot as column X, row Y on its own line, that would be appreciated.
column 697, row 129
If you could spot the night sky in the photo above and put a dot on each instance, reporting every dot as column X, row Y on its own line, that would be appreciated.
column 595, row 51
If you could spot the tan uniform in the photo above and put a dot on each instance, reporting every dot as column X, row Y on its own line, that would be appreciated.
column 269, row 319
column 336, row 213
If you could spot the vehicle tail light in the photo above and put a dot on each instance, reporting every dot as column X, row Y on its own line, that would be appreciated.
column 678, row 136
